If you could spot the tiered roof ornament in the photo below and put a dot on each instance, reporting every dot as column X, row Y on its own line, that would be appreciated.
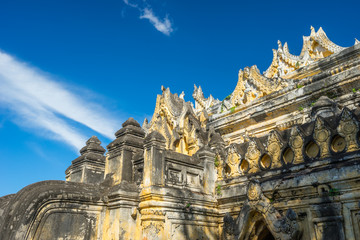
column 176, row 120
column 315, row 47
column 281, row 73
column 201, row 102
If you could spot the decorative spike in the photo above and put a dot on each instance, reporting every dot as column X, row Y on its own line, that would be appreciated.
column 312, row 34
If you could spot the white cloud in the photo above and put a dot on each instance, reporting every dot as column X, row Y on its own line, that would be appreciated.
column 39, row 102
column 130, row 4
column 164, row 26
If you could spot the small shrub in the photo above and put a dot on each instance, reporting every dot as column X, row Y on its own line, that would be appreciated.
column 232, row 109
column 299, row 86
column 301, row 108
column 228, row 97
column 354, row 90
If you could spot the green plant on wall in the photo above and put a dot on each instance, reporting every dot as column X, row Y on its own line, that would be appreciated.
column 232, row 109
column 334, row 192
column 216, row 162
column 313, row 102
column 218, row 190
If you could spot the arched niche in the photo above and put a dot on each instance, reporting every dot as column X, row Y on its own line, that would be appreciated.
column 257, row 228
column 265, row 162
column 259, row 219
column 288, row 156
column 338, row 144
column 312, row 150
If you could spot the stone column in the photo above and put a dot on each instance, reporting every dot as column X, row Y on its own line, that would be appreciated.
column 154, row 160
column 208, row 159
column 129, row 140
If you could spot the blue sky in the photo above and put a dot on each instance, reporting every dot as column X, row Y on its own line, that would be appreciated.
column 73, row 69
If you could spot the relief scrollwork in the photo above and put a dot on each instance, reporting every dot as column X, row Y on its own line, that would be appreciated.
column 274, row 146
column 252, row 157
column 322, row 137
column 152, row 229
column 297, row 143
column 348, row 128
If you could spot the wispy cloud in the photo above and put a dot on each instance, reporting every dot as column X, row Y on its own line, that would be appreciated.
column 39, row 102
column 162, row 25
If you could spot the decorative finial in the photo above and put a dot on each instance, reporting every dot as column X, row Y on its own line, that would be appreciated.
column 312, row 31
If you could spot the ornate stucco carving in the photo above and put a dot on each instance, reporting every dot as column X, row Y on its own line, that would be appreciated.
column 252, row 85
column 201, row 102
column 273, row 147
column 233, row 161
column 258, row 209
column 348, row 128
column 315, row 47
column 322, row 136
column 297, row 142
column 252, row 156
column 177, row 122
